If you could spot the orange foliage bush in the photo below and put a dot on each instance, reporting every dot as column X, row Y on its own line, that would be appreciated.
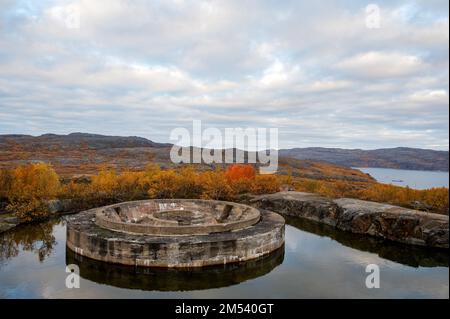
column 80, row 193
column 105, row 184
column 240, row 177
column 183, row 183
column 434, row 200
column 239, row 172
column 6, row 179
column 266, row 184
column 216, row 186
column 189, row 183
column 27, row 189
column 164, row 185
column 30, row 189
column 108, row 187
column 307, row 185
column 437, row 198
column 130, row 186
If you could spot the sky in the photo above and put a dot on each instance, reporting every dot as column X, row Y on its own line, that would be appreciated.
column 326, row 73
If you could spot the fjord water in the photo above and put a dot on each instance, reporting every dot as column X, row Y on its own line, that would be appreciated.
column 410, row 178
column 316, row 262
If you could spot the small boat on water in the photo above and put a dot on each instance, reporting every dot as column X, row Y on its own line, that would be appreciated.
column 398, row 180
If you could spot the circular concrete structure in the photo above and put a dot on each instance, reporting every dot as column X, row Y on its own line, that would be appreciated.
column 179, row 233
column 176, row 217
column 174, row 279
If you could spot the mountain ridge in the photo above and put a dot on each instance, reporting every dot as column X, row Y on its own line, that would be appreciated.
column 398, row 157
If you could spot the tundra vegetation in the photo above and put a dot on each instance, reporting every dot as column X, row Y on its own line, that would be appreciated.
column 27, row 189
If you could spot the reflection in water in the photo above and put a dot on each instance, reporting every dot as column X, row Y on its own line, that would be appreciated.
column 37, row 238
column 414, row 256
column 174, row 279
column 311, row 265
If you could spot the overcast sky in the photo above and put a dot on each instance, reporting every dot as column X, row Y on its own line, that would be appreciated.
column 315, row 71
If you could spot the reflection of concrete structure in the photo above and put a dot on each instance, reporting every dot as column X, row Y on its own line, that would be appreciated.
column 174, row 279
column 175, row 233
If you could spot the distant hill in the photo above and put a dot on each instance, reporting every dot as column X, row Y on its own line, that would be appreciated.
column 81, row 153
column 88, row 151
column 92, row 141
column 400, row 157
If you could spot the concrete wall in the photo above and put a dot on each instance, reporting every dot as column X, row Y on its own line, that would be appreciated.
column 85, row 238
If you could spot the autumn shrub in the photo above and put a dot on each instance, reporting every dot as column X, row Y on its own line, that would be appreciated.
column 150, row 173
column 336, row 189
column 6, row 179
column 240, row 177
column 27, row 189
column 109, row 187
column 215, row 186
column 240, row 171
column 80, row 194
column 381, row 193
column 164, row 185
column 182, row 183
column 433, row 200
column 30, row 189
column 105, row 181
column 307, row 185
column 104, row 186
column 266, row 184
column 189, row 183
column 130, row 186
column 437, row 198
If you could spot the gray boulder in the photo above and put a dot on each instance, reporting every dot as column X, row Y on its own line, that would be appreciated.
column 60, row 205
column 362, row 217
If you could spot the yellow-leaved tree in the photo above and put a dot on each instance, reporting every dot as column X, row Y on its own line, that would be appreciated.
column 31, row 188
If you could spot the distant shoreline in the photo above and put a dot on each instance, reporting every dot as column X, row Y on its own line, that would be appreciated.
column 415, row 179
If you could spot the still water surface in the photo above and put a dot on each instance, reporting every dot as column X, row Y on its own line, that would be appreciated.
column 412, row 179
column 316, row 262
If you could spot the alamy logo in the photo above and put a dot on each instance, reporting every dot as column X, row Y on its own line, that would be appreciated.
column 211, row 146
column 373, row 280
column 73, row 278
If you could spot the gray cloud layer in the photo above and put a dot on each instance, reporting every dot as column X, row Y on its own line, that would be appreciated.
column 315, row 71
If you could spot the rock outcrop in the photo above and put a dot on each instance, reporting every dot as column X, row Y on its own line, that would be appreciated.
column 56, row 207
column 59, row 206
column 362, row 217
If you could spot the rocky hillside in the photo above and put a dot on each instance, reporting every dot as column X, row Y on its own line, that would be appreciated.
column 400, row 157
column 80, row 140
column 81, row 153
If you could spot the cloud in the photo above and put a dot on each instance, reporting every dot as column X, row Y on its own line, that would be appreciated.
column 430, row 97
column 314, row 70
column 382, row 65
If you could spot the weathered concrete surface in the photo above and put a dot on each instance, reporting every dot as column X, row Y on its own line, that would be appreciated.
column 176, row 217
column 362, row 217
column 174, row 279
column 88, row 239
